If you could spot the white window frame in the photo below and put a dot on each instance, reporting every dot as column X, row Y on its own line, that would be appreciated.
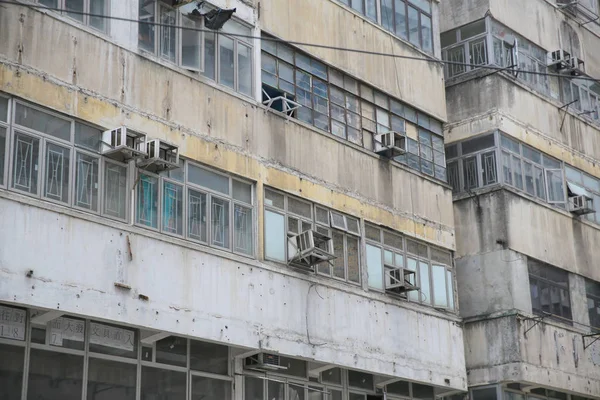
column 62, row 5
column 159, row 5
column 44, row 139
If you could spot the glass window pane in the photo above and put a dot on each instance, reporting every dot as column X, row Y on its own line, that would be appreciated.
column 295, row 391
column 242, row 191
column 339, row 270
column 274, row 199
column 484, row 394
column 74, row 9
column 111, row 380
column 371, row 9
column 115, row 190
column 400, row 388
column 86, row 182
column 209, row 357
column 42, row 122
column 243, row 242
column 172, row 350
column 387, row 15
column 197, row 215
column 220, row 222
column 400, row 18
column 67, row 333
column 211, row 389
column 360, row 380
column 422, row 391
column 113, row 340
column 162, row 384
column 56, row 182
column 98, row 7
column 555, row 186
column 172, row 217
column 516, row 164
column 25, row 163
column 209, row 179
column 479, row 143
column 353, row 259
column 11, row 371
column 413, row 26
column 244, row 69
column 54, row 376
column 3, row 109
column 146, row 27
column 440, row 288
column 88, row 137
column 507, row 168
column 167, row 34
column 275, row 390
column 471, row 177
column 299, row 208
column 374, row 267
column 275, row 236
column 528, row 172
column 147, row 201
column 226, row 61
column 426, row 34
column 358, row 5
column 209, row 55
column 191, row 43
column 253, row 388
column 424, row 283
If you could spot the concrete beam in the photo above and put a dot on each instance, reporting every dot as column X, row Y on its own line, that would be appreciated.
column 43, row 319
column 155, row 337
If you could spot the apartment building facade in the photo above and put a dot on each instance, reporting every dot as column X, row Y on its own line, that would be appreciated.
column 199, row 214
column 522, row 143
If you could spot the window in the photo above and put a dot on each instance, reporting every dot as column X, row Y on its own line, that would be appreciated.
column 200, row 204
column 178, row 38
column 57, row 159
column 476, row 160
column 79, row 10
column 432, row 267
column 286, row 216
column 228, row 59
column 332, row 101
column 407, row 19
column 532, row 171
column 465, row 45
column 579, row 182
column 593, row 302
column 588, row 94
column 549, row 288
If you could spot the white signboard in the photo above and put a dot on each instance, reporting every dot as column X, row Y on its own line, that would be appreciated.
column 12, row 323
column 111, row 336
column 66, row 329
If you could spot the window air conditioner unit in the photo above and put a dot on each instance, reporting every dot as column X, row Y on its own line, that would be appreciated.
column 559, row 59
column 581, row 205
column 160, row 156
column 264, row 362
column 397, row 279
column 123, row 144
column 309, row 248
column 390, row 144
column 576, row 66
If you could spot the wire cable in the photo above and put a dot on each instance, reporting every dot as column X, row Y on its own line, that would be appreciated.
column 296, row 43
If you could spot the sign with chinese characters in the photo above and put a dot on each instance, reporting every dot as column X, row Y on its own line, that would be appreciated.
column 110, row 336
column 66, row 329
column 12, row 323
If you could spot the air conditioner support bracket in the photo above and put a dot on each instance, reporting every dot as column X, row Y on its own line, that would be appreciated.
column 595, row 336
column 536, row 321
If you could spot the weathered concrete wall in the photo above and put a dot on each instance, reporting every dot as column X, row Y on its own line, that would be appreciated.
column 212, row 125
column 418, row 83
column 549, row 356
column 492, row 282
column 527, row 227
column 455, row 13
column 215, row 296
column 497, row 102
